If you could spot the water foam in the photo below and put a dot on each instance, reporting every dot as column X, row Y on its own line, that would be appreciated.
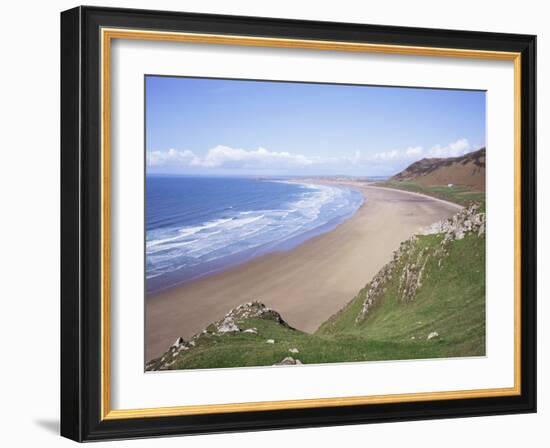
column 187, row 248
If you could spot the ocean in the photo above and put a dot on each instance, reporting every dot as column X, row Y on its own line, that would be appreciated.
column 198, row 225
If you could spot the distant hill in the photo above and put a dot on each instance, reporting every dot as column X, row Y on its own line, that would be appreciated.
column 467, row 170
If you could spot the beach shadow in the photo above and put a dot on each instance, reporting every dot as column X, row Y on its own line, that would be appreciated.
column 49, row 425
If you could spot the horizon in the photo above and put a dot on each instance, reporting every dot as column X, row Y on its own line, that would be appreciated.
column 242, row 128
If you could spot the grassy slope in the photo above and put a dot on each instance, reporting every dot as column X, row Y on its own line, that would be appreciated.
column 451, row 301
column 458, row 194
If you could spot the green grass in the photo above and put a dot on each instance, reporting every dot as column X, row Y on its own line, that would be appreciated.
column 458, row 194
column 451, row 301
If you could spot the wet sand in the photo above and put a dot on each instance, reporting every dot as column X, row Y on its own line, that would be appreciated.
column 307, row 284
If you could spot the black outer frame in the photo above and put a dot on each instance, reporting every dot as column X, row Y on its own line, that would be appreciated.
column 80, row 223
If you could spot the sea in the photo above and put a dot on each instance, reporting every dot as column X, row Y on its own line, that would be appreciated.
column 196, row 226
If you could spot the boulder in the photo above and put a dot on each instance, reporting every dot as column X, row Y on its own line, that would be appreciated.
column 432, row 335
column 288, row 361
column 227, row 325
column 179, row 341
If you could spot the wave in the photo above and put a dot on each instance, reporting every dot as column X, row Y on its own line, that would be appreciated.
column 194, row 249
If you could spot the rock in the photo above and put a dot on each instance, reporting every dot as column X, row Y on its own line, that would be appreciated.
column 413, row 338
column 288, row 361
column 433, row 334
column 227, row 325
column 293, row 350
column 377, row 287
column 179, row 341
column 411, row 275
column 255, row 310
column 467, row 220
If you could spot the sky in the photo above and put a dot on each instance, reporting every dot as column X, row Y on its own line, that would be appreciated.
column 219, row 127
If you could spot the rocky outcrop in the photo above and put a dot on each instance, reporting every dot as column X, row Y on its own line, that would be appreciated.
column 377, row 287
column 409, row 262
column 257, row 310
column 412, row 273
column 468, row 220
column 231, row 323
column 288, row 361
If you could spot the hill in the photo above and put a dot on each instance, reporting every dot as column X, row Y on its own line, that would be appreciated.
column 428, row 302
column 466, row 171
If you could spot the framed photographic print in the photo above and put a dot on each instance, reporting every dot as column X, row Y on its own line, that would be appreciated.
column 273, row 223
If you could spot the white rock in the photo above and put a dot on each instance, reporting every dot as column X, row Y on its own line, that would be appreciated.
column 228, row 325
column 413, row 338
column 270, row 341
column 179, row 341
column 293, row 350
column 433, row 334
column 251, row 330
column 288, row 361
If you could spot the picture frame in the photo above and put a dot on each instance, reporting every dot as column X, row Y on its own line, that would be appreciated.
column 86, row 136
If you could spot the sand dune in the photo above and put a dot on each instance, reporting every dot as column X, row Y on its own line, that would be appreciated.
column 306, row 284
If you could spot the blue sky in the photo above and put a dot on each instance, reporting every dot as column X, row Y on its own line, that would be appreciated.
column 237, row 127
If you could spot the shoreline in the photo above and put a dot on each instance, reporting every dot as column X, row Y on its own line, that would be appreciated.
column 288, row 243
column 306, row 284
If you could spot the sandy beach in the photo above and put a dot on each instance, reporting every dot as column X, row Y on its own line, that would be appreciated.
column 306, row 284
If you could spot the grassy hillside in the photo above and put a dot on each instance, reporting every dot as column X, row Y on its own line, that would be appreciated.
column 466, row 171
column 450, row 302
column 458, row 194
column 435, row 285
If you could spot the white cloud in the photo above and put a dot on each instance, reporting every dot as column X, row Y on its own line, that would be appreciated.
column 454, row 149
column 171, row 157
column 410, row 153
column 227, row 157
column 414, row 151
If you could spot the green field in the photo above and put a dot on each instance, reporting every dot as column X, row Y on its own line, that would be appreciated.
column 450, row 301
column 458, row 194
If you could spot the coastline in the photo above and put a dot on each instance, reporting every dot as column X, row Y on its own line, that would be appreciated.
column 177, row 278
column 306, row 284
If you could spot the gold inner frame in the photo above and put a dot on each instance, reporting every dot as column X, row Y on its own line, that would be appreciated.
column 107, row 35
